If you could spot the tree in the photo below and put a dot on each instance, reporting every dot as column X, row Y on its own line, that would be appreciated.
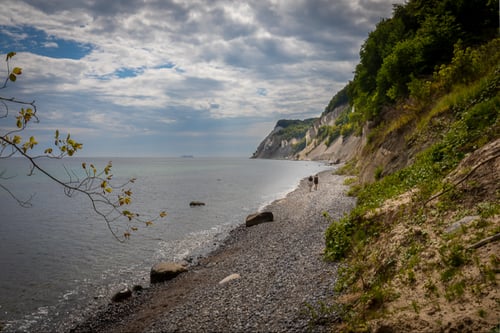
column 107, row 199
column 420, row 37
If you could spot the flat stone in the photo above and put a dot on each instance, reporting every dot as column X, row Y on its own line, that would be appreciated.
column 462, row 222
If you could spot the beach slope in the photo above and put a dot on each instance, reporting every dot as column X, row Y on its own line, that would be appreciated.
column 282, row 281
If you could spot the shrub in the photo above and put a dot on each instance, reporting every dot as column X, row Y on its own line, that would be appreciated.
column 338, row 238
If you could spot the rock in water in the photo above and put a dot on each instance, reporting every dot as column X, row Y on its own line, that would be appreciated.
column 259, row 218
column 165, row 271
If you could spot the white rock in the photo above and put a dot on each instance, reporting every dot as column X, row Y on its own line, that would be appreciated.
column 231, row 277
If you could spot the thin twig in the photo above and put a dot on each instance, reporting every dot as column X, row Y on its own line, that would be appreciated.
column 485, row 241
column 461, row 180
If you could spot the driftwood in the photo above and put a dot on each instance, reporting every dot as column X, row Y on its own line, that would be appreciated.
column 485, row 241
column 461, row 180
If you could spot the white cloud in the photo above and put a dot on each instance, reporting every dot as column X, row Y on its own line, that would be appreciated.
column 222, row 53
column 50, row 45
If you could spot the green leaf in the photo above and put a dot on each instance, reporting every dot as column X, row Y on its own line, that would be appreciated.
column 12, row 77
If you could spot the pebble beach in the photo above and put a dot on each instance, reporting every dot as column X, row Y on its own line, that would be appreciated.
column 278, row 279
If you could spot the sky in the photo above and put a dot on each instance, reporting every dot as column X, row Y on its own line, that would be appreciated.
column 170, row 78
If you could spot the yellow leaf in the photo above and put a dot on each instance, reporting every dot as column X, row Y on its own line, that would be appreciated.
column 48, row 151
column 17, row 71
column 10, row 55
column 148, row 223
column 108, row 189
column 163, row 214
column 134, row 228
column 127, row 214
column 17, row 139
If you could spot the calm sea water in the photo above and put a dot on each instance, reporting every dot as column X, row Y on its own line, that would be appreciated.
column 58, row 260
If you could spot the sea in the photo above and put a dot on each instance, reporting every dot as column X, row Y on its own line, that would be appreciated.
column 58, row 259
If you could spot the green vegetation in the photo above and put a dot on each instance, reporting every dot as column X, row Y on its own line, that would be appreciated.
column 473, row 120
column 430, row 76
column 340, row 98
column 420, row 36
column 476, row 122
column 294, row 129
column 343, row 127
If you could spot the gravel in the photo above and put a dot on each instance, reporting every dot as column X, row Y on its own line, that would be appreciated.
column 284, row 281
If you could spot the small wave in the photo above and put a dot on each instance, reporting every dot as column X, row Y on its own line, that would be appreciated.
column 194, row 246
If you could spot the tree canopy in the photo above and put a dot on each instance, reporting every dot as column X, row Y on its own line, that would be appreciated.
column 421, row 36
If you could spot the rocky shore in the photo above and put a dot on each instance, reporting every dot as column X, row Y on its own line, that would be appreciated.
column 278, row 280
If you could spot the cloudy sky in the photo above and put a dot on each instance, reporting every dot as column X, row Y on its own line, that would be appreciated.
column 173, row 77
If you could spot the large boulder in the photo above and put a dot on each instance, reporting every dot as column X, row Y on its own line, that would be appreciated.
column 259, row 218
column 165, row 271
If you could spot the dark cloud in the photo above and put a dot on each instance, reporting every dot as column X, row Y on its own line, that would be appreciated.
column 333, row 30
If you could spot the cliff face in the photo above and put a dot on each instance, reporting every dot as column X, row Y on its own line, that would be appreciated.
column 285, row 140
column 275, row 146
column 311, row 145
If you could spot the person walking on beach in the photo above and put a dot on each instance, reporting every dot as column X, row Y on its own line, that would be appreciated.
column 310, row 183
column 316, row 181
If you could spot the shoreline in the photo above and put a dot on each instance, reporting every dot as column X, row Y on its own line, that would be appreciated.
column 272, row 259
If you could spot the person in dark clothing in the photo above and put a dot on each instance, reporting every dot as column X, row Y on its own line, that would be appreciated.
column 316, row 181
